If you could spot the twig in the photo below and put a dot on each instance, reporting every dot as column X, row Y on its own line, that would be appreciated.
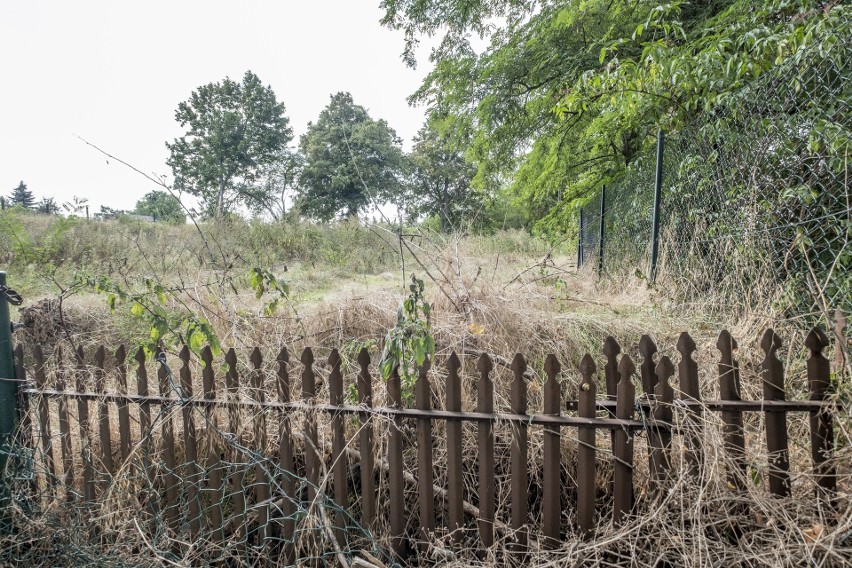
column 469, row 508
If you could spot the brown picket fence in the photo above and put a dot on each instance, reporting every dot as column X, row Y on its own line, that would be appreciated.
column 180, row 438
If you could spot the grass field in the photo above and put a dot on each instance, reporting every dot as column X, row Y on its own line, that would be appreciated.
column 501, row 294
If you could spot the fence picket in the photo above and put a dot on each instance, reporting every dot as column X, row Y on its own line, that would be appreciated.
column 611, row 350
column 237, row 476
column 123, row 410
column 261, row 467
column 339, row 464
column 148, row 494
column 647, row 349
column 312, row 459
column 772, row 372
column 425, row 491
column 215, row 473
column 171, row 510
column 485, row 444
column 732, row 420
column 396, row 502
column 455, row 512
column 103, row 419
column 689, row 388
column 586, row 448
column 661, row 434
column 822, row 422
column 365, row 442
column 64, row 427
column 519, row 467
column 44, row 418
column 85, row 432
column 285, row 459
column 552, row 490
column 622, row 499
column 190, row 447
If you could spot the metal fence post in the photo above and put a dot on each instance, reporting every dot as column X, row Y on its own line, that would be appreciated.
column 580, row 242
column 655, row 226
column 601, row 231
column 8, row 398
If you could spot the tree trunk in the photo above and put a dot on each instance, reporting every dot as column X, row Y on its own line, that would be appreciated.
column 220, row 198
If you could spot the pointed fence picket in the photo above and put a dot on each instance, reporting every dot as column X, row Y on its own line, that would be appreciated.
column 228, row 484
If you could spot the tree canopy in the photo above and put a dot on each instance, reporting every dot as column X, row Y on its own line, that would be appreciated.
column 350, row 160
column 568, row 94
column 440, row 177
column 233, row 130
column 161, row 206
column 47, row 206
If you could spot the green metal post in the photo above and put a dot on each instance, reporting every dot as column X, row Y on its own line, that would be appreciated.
column 8, row 399
column 580, row 242
column 8, row 390
column 601, row 231
column 655, row 226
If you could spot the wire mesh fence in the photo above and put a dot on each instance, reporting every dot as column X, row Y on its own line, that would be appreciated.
column 755, row 207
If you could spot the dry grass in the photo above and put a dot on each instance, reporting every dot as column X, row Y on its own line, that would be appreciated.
column 490, row 299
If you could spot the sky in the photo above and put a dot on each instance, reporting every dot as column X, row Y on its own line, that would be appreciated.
column 113, row 73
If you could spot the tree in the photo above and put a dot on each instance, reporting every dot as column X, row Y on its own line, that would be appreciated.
column 351, row 160
column 162, row 207
column 107, row 213
column 47, row 206
column 440, row 177
column 568, row 94
column 276, row 180
column 233, row 131
column 22, row 196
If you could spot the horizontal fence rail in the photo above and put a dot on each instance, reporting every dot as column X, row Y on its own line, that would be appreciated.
column 203, row 468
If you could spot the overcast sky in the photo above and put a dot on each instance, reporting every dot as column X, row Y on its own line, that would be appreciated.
column 113, row 72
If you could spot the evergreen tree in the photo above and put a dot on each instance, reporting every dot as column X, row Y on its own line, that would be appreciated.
column 22, row 196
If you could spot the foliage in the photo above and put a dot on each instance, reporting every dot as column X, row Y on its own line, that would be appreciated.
column 109, row 213
column 568, row 94
column 351, row 160
column 276, row 180
column 77, row 205
column 234, row 130
column 154, row 305
column 47, row 206
column 161, row 206
column 22, row 196
column 263, row 281
column 410, row 341
column 440, row 178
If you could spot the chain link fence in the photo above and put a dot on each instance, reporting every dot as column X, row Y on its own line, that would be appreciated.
column 755, row 207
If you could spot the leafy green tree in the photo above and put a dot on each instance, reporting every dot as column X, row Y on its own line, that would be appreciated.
column 22, row 196
column 568, row 94
column 161, row 206
column 233, row 131
column 440, row 178
column 276, row 181
column 351, row 160
column 47, row 206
